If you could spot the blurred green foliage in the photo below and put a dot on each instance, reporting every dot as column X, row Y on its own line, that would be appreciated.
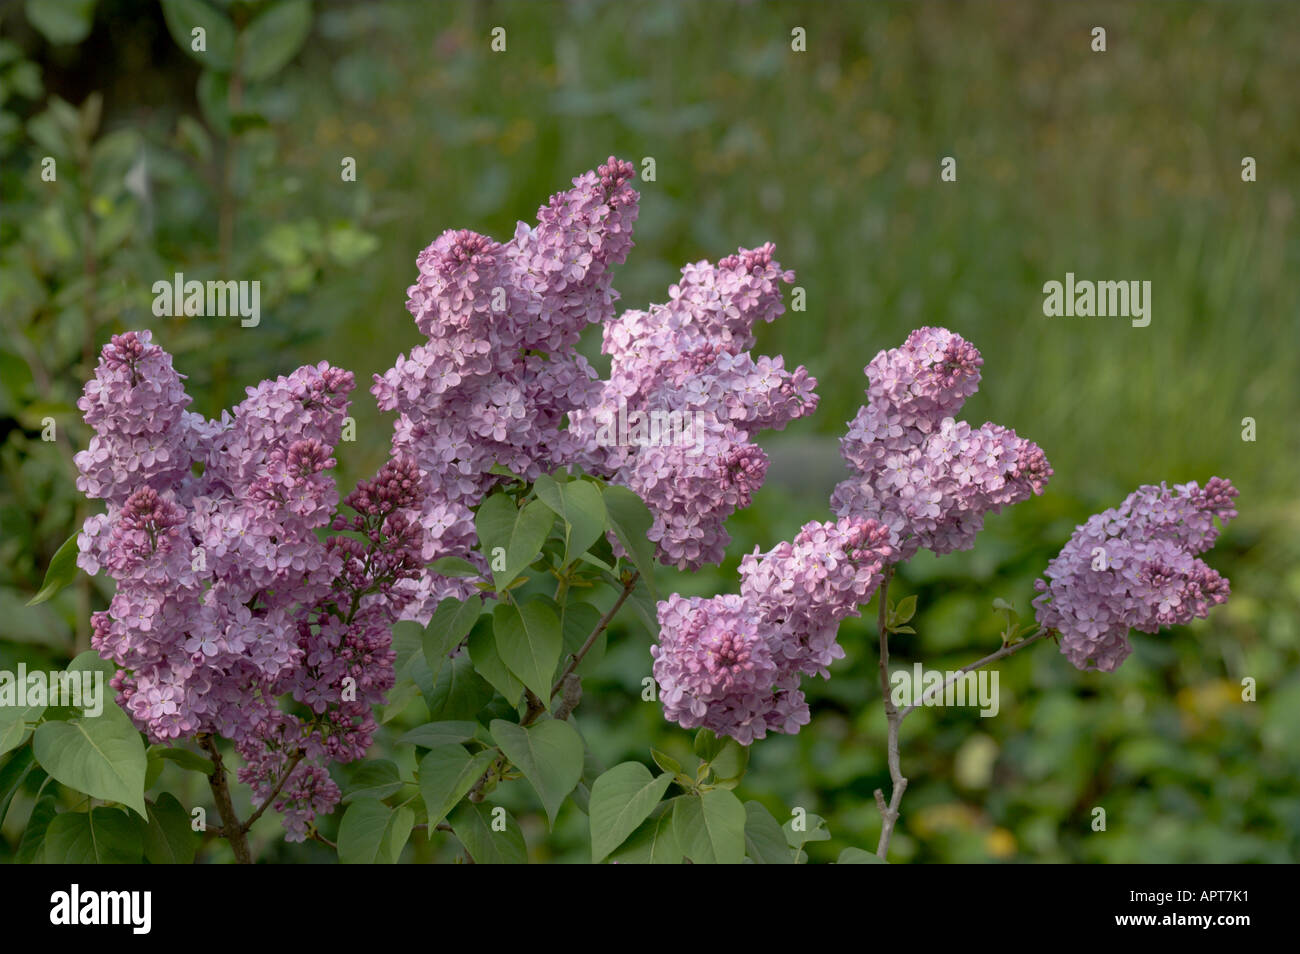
column 1116, row 165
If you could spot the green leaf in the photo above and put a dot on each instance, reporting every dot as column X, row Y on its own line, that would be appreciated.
column 376, row 778
column 446, row 775
column 183, row 16
column 451, row 623
column 455, row 566
column 190, row 761
column 631, row 521
column 707, row 744
column 577, row 621
column 213, row 94
column 103, row 757
column 12, row 776
column 519, row 533
column 31, row 847
column 101, row 836
column 487, row 661
column 711, row 827
column 274, row 38
column 856, row 856
column 764, row 841
column 62, row 571
column 168, row 838
column 472, row 824
column 621, row 799
column 433, row 734
column 153, row 769
column 730, row 761
column 372, row 833
column 61, row 21
column 550, row 754
column 15, row 725
column 529, row 641
column 653, row 843
column 459, row 693
column 905, row 610
column 579, row 504
column 643, row 604
column 814, row 829
column 666, row 762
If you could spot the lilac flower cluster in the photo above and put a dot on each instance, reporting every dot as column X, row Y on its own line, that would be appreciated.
column 734, row 663
column 227, row 599
column 928, row 477
column 691, row 356
column 1134, row 567
column 498, row 374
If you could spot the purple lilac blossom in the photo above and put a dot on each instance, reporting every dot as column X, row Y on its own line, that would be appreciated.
column 691, row 356
column 498, row 375
column 733, row 664
column 226, row 597
column 925, row 475
column 1135, row 567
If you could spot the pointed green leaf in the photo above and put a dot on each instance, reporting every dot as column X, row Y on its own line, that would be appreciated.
column 529, row 641
column 580, row 505
column 103, row 756
column 16, row 724
column 813, row 829
column 373, row 778
column 455, row 566
column 482, row 649
column 710, row 828
column 62, row 571
column 168, row 838
column 101, row 836
column 666, row 762
column 450, row 624
column 653, row 843
column 184, row 16
column 707, row 744
column 459, row 693
column 12, row 776
column 472, row 824
column 578, row 620
column 433, row 734
column 631, row 521
column 446, row 774
column 274, row 38
column 764, row 841
column 190, row 761
column 905, row 610
column 621, row 799
column 550, row 754
column 31, row 847
column 519, row 533
column 730, row 761
column 372, row 833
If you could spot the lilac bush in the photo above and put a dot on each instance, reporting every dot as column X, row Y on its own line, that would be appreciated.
column 510, row 524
